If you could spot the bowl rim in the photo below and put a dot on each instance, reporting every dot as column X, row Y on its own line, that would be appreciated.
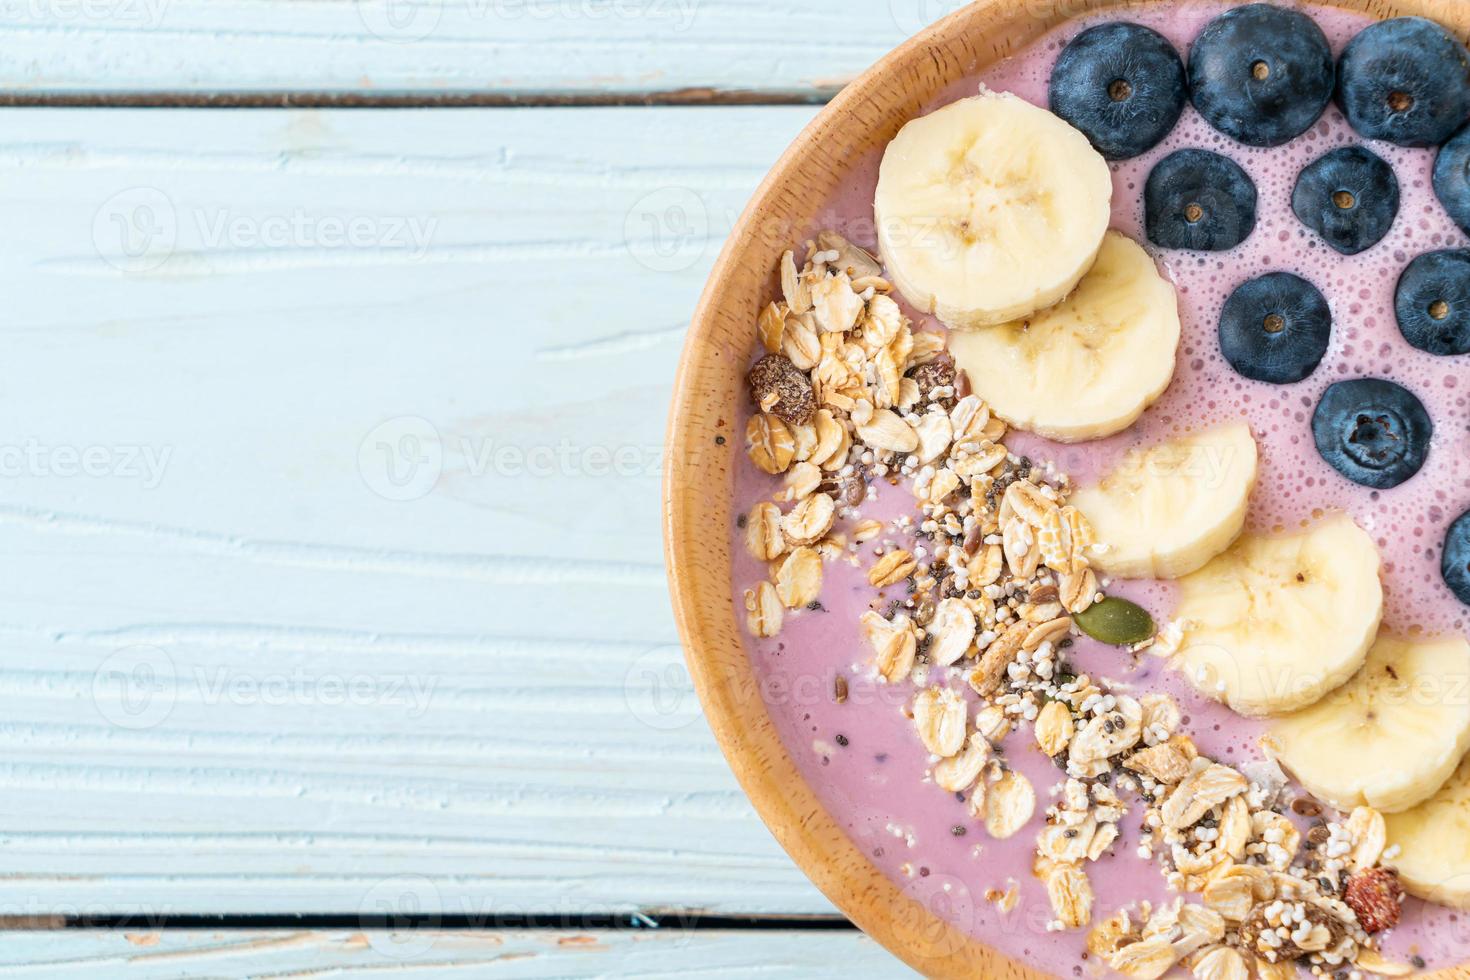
column 703, row 449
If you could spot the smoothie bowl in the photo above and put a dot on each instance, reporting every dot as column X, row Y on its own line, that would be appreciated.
column 1068, row 486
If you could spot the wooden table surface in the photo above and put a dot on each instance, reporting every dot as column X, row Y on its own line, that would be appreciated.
column 329, row 483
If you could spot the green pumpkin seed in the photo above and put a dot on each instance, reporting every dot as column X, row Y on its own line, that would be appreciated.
column 1117, row 622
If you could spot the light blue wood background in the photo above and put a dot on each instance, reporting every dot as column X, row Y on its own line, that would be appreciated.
column 328, row 478
column 504, row 47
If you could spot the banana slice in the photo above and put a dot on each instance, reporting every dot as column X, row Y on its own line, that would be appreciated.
column 990, row 209
column 1391, row 736
column 1275, row 623
column 1089, row 366
column 1164, row 512
column 1434, row 844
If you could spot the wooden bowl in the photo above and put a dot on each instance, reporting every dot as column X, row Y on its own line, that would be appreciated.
column 705, row 445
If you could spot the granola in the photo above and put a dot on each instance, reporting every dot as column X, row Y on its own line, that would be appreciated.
column 974, row 602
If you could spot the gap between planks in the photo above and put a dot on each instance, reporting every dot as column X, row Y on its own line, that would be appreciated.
column 412, row 100
column 650, row 921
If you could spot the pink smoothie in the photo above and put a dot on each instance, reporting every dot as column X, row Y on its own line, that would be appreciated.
column 863, row 758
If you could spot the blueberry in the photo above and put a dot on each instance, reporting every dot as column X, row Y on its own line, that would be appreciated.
column 1276, row 329
column 1261, row 75
column 1350, row 197
column 1452, row 178
column 1433, row 302
column 1122, row 85
column 1199, row 200
column 1456, row 563
column 1375, row 433
column 1405, row 80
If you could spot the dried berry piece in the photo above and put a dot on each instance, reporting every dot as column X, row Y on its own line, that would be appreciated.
column 938, row 373
column 783, row 389
column 1306, row 807
column 1377, row 898
column 962, row 387
column 849, row 490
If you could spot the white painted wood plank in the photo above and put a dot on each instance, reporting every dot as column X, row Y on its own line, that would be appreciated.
column 255, row 675
column 438, row 47
column 418, row 956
